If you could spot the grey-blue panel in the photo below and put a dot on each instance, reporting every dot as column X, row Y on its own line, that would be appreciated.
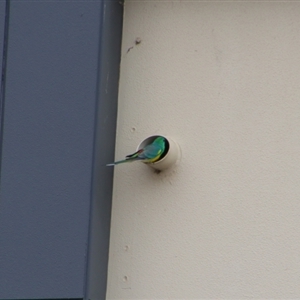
column 2, row 20
column 47, row 148
column 3, row 48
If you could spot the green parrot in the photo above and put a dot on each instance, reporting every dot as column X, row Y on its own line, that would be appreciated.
column 150, row 154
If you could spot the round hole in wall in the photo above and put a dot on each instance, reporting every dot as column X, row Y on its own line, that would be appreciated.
column 150, row 140
column 169, row 157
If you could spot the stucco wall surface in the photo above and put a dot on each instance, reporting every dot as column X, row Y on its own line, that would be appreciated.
column 223, row 80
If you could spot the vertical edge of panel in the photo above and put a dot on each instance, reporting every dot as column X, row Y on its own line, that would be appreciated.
column 104, row 148
column 4, row 18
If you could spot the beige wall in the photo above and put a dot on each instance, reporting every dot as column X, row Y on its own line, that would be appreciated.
column 222, row 79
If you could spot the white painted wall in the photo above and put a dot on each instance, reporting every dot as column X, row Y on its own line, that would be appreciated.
column 222, row 79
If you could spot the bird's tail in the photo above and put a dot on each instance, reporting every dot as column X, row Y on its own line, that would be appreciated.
column 129, row 158
column 117, row 162
column 123, row 161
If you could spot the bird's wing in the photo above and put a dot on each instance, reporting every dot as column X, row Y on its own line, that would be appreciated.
column 151, row 151
column 135, row 154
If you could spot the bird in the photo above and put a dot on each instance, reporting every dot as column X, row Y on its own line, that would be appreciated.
column 149, row 154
